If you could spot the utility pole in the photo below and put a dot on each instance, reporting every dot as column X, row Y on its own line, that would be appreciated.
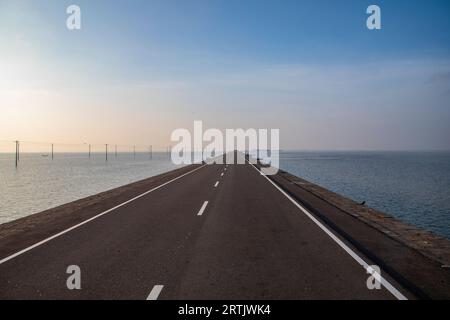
column 89, row 151
column 106, row 153
column 115, row 151
column 52, row 151
column 134, row 152
column 151, row 152
column 17, row 153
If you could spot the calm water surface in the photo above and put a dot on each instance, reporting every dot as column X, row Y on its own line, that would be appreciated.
column 40, row 183
column 412, row 186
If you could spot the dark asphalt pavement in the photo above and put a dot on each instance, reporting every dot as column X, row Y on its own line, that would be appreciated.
column 251, row 242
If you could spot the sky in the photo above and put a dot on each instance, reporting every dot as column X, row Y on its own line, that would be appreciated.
column 137, row 70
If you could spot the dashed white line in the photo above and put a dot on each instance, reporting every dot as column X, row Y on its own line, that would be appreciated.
column 154, row 294
column 202, row 209
column 217, row 183
column 221, row 174
column 346, row 248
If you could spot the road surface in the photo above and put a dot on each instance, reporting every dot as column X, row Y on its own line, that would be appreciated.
column 217, row 232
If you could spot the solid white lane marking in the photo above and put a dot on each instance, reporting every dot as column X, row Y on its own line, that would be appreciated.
column 217, row 183
column 154, row 294
column 347, row 249
column 93, row 218
column 202, row 209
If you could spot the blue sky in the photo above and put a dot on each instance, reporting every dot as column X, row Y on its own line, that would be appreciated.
column 310, row 68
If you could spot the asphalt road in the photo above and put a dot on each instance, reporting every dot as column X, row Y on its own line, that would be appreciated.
column 220, row 232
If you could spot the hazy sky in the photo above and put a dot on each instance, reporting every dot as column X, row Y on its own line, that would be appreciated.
column 139, row 69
